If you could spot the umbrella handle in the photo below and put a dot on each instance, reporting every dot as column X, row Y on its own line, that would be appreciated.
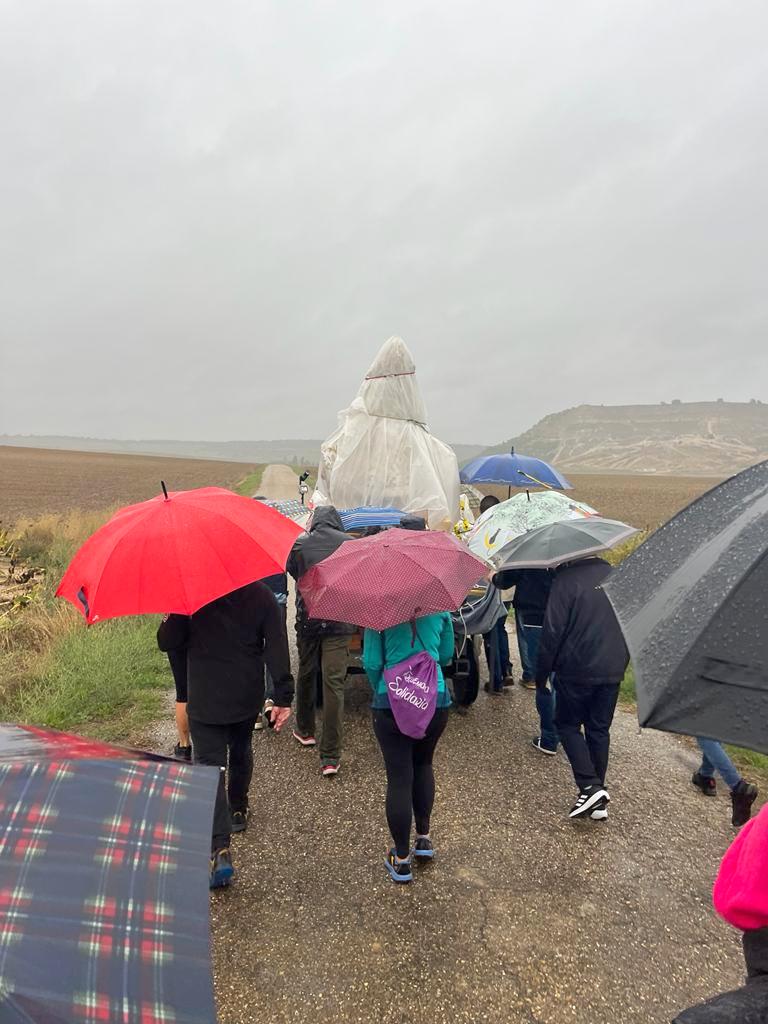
column 541, row 483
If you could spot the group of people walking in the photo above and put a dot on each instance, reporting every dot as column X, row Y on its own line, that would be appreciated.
column 572, row 650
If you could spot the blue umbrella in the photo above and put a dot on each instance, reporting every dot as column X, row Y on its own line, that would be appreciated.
column 365, row 515
column 513, row 470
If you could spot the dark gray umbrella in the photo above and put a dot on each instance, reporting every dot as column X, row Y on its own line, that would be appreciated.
column 552, row 545
column 693, row 604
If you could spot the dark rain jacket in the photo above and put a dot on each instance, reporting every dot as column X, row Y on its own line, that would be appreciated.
column 326, row 533
column 228, row 643
column 532, row 587
column 581, row 640
column 746, row 1005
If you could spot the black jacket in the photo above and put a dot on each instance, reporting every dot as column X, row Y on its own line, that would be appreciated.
column 581, row 641
column 746, row 1005
column 228, row 641
column 325, row 535
column 532, row 587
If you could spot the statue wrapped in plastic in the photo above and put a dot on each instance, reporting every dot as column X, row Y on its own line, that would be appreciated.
column 382, row 454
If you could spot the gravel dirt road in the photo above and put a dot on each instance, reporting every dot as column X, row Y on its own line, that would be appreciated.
column 279, row 482
column 523, row 918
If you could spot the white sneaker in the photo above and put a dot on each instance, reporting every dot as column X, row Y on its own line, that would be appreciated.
column 600, row 811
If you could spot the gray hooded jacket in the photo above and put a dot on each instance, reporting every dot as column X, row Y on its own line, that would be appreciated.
column 326, row 533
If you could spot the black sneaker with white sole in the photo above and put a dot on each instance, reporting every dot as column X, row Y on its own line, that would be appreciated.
column 587, row 799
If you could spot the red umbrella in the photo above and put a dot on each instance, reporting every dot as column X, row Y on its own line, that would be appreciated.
column 390, row 578
column 176, row 553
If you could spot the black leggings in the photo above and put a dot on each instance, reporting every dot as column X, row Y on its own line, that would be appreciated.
column 214, row 745
column 410, row 779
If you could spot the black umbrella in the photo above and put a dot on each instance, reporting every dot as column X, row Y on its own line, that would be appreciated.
column 103, row 883
column 693, row 604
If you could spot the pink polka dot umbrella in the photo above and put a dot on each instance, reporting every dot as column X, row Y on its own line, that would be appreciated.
column 391, row 578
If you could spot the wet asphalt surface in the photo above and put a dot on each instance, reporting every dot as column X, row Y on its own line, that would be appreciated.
column 524, row 916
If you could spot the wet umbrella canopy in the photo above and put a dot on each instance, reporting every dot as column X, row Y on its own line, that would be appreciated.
column 514, row 470
column 502, row 523
column 391, row 578
column 693, row 604
column 549, row 546
column 103, row 883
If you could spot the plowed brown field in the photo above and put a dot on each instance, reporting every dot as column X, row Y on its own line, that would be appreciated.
column 34, row 481
column 643, row 500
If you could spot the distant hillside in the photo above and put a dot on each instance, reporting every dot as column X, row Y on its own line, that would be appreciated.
column 712, row 438
column 299, row 452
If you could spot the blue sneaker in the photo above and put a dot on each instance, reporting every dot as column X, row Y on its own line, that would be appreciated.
column 423, row 848
column 222, row 871
column 399, row 871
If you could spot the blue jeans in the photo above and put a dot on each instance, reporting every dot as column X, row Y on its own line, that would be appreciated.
column 714, row 759
column 527, row 646
column 498, row 659
column 545, row 705
column 528, row 637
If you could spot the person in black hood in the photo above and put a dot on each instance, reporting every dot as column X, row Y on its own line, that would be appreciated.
column 227, row 643
column 323, row 646
column 582, row 645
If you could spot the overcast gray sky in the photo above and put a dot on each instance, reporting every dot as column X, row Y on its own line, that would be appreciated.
column 213, row 213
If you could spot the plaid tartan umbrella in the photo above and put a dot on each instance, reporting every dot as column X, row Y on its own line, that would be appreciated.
column 103, row 883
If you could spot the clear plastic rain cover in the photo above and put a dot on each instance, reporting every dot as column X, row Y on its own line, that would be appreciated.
column 382, row 454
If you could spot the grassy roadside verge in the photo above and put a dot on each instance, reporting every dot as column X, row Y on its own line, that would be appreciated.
column 106, row 681
column 249, row 485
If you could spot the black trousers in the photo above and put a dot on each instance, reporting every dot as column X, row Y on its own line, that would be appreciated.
column 410, row 778
column 583, row 706
column 216, row 745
